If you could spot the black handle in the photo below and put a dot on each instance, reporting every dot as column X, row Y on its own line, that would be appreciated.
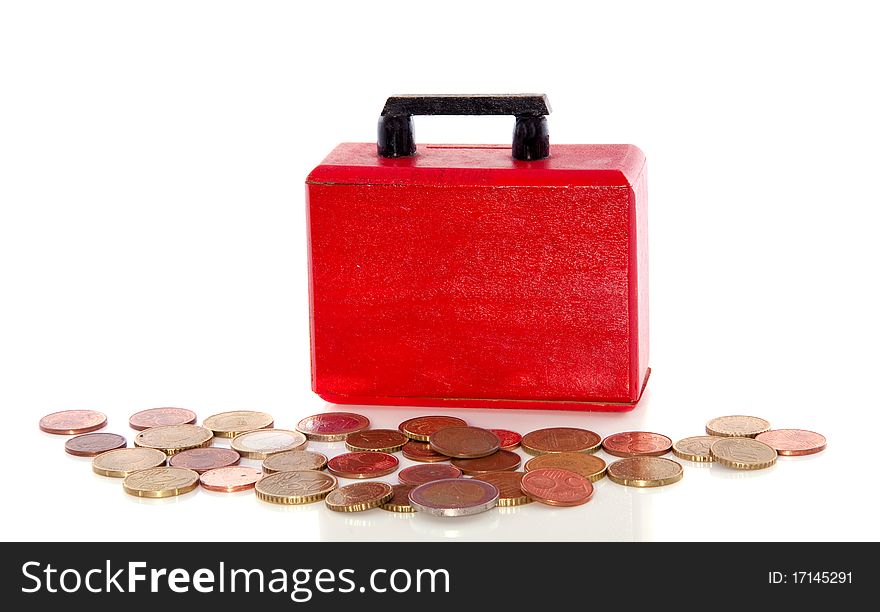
column 531, row 139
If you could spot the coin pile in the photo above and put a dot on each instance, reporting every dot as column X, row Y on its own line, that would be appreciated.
column 173, row 456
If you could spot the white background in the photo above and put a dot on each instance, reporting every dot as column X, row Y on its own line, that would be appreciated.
column 152, row 240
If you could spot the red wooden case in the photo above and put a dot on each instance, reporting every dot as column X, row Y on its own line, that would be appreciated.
column 460, row 276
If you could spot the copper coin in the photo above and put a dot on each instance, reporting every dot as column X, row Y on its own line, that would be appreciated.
column 93, row 444
column 160, row 482
column 421, row 428
column 121, row 462
column 743, row 453
column 294, row 461
column 502, row 461
column 159, row 417
column 383, row 440
column 509, row 439
column 643, row 471
column 204, row 459
column 261, row 443
column 465, row 442
column 304, row 487
column 454, row 497
column 590, row 467
column 230, row 479
column 332, row 426
column 561, row 440
column 71, row 422
column 556, row 487
column 359, row 496
column 509, row 485
column 420, row 474
column 695, row 448
column 171, row 439
column 422, row 451
column 632, row 443
column 737, row 426
column 399, row 501
column 230, row 424
column 793, row 442
column 362, row 464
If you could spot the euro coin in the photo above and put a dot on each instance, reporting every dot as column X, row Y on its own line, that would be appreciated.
column 359, row 496
column 160, row 482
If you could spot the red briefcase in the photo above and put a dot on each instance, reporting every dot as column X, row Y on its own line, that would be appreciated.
column 479, row 275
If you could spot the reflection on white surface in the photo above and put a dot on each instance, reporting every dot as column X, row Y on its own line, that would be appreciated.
column 164, row 501
column 719, row 471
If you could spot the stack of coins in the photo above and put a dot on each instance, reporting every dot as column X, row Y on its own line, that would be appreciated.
column 457, row 469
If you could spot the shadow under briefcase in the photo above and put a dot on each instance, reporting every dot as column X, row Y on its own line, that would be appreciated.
column 478, row 275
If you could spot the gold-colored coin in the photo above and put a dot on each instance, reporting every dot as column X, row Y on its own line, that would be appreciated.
column 645, row 471
column 743, row 453
column 561, row 440
column 161, row 482
column 509, row 485
column 695, row 448
column 737, row 426
column 302, row 487
column 171, row 439
column 235, row 422
column 378, row 440
column 294, row 461
column 359, row 496
column 121, row 462
column 590, row 467
column 261, row 443
column 399, row 501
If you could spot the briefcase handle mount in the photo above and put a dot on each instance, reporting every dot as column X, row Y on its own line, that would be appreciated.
column 531, row 139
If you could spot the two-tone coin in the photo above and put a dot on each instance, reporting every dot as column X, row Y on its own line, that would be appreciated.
column 381, row 440
column 420, row 474
column 160, row 417
column 294, row 488
column 557, row 487
column 645, row 471
column 171, row 439
column 421, row 428
column 695, row 448
column 359, row 496
column 633, row 443
column 261, row 443
column 464, row 442
column 561, row 440
column 235, row 422
column 737, row 426
column 422, row 452
column 72, row 422
column 160, row 482
column 509, row 485
column 362, row 464
column 294, row 461
column 590, row 467
column 230, row 479
column 454, row 497
column 332, row 426
column 203, row 459
column 509, row 439
column 399, row 501
column 743, row 453
column 793, row 442
column 93, row 444
column 121, row 462
column 501, row 461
